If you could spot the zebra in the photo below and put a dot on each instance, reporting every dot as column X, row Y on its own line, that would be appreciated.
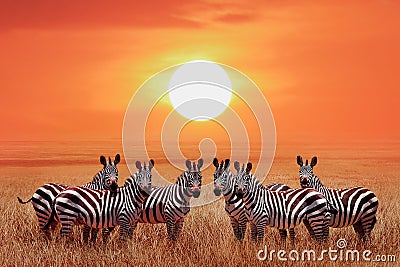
column 170, row 204
column 356, row 206
column 283, row 210
column 42, row 199
column 234, row 206
column 103, row 209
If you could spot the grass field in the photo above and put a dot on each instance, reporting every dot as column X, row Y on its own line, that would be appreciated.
column 207, row 238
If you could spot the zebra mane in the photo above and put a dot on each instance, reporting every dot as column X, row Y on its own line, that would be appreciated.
column 257, row 184
column 131, row 180
column 317, row 182
column 97, row 179
column 181, row 177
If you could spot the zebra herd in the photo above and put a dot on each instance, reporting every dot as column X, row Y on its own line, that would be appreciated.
column 101, row 204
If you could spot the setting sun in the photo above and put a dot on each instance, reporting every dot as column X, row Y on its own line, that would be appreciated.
column 200, row 90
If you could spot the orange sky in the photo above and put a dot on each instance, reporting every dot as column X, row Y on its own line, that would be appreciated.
column 329, row 70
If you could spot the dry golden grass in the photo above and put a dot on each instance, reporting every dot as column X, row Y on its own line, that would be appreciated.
column 207, row 238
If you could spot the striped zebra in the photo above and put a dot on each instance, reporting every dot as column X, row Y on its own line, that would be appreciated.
column 170, row 204
column 356, row 206
column 42, row 199
column 283, row 210
column 234, row 206
column 103, row 209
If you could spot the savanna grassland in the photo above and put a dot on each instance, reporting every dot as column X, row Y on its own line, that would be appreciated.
column 207, row 238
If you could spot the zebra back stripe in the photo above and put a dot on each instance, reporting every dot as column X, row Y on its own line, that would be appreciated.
column 170, row 204
column 103, row 209
column 284, row 209
column 356, row 206
column 42, row 199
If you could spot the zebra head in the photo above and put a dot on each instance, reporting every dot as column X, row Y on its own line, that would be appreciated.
column 306, row 171
column 244, row 179
column 192, row 178
column 143, row 176
column 109, row 174
column 221, row 176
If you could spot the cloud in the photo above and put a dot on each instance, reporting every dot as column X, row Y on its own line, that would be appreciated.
column 90, row 14
column 236, row 18
column 73, row 14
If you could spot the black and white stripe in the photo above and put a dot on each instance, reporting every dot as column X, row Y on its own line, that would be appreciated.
column 234, row 206
column 356, row 206
column 103, row 209
column 42, row 199
column 170, row 204
column 282, row 210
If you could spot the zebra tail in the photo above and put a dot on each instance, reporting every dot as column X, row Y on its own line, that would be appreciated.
column 23, row 202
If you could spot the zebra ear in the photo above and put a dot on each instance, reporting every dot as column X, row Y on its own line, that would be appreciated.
column 138, row 165
column 249, row 167
column 215, row 162
column 199, row 163
column 103, row 161
column 188, row 165
column 300, row 161
column 227, row 162
column 313, row 161
column 117, row 159
column 236, row 164
column 151, row 164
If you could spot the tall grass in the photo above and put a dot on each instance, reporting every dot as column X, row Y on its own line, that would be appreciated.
column 206, row 239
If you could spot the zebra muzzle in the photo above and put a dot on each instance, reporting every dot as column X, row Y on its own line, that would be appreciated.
column 196, row 194
column 196, row 191
column 303, row 182
column 239, row 191
column 217, row 192
column 147, row 187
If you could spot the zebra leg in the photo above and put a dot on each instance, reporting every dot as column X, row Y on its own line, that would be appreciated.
column 123, row 230
column 253, row 232
column 260, row 232
column 106, row 234
column 369, row 230
column 358, row 229
column 309, row 229
column 132, row 229
column 292, row 235
column 235, row 227
column 318, row 227
column 367, row 224
column 93, row 237
column 283, row 234
column 178, row 227
column 66, row 227
column 86, row 233
column 242, row 229
column 171, row 229
column 47, row 226
column 47, row 230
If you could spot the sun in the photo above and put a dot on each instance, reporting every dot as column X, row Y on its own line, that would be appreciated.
column 200, row 90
